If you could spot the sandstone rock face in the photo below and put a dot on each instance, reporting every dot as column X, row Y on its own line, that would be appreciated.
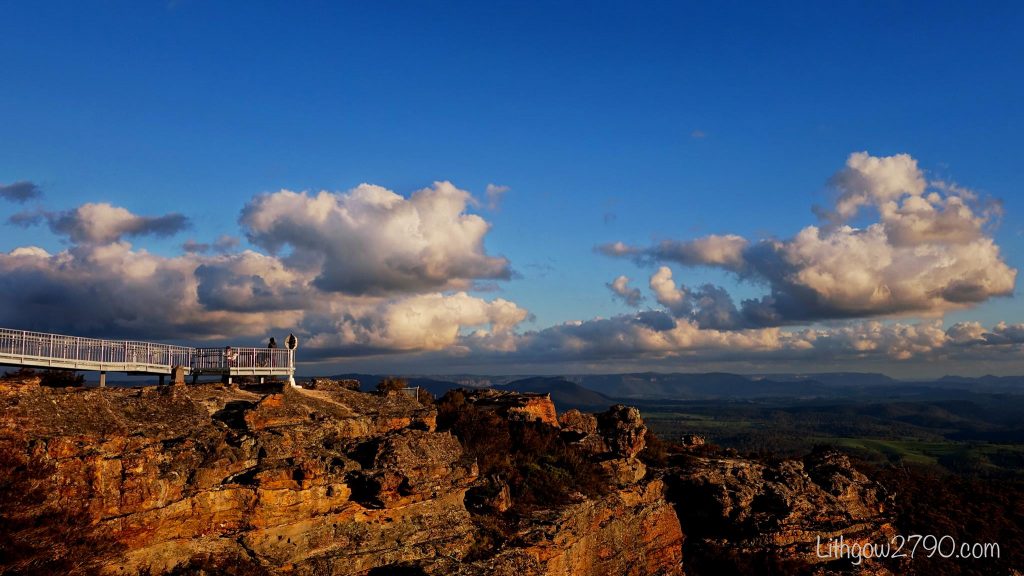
column 581, row 429
column 330, row 481
column 179, row 473
column 630, row 532
column 623, row 430
column 305, row 481
column 741, row 515
column 411, row 466
column 328, row 384
column 514, row 405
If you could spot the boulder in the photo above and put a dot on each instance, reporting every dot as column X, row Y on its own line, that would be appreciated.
column 623, row 430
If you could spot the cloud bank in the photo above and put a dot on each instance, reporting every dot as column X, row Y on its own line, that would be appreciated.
column 927, row 252
column 368, row 272
column 360, row 272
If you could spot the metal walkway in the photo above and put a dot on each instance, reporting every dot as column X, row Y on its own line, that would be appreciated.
column 41, row 350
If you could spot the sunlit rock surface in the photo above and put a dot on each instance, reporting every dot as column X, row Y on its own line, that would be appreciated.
column 217, row 479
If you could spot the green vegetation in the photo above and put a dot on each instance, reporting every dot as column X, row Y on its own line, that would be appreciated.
column 954, row 467
column 981, row 433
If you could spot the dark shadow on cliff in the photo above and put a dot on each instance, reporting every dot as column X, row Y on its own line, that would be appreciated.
column 541, row 469
column 233, row 414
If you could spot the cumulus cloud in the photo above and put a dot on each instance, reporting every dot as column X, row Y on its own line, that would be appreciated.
column 21, row 191
column 103, row 223
column 370, row 240
column 973, row 333
column 251, row 282
column 103, row 286
column 426, row 322
column 369, row 272
column 620, row 288
column 709, row 306
column 873, row 181
column 665, row 291
column 928, row 253
column 113, row 290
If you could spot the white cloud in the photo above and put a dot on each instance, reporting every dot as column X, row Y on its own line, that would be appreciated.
column 426, row 322
column 708, row 306
column 656, row 338
column 620, row 288
column 928, row 254
column 871, row 181
column 102, row 223
column 103, row 286
column 665, row 291
column 369, row 272
column 370, row 240
column 113, row 290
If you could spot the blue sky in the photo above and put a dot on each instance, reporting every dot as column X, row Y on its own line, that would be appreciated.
column 606, row 121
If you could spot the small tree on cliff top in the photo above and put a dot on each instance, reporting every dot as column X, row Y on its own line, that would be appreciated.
column 392, row 384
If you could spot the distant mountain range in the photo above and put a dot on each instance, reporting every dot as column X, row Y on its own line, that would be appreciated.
column 596, row 391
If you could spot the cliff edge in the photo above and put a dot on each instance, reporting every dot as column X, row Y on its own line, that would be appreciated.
column 217, row 479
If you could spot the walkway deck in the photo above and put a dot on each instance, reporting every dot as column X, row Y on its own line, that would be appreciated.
column 42, row 350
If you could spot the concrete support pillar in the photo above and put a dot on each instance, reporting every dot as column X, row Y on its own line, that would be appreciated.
column 103, row 378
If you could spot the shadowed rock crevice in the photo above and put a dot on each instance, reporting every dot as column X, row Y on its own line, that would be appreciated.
column 233, row 414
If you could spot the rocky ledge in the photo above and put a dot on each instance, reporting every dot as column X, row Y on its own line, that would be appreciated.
column 216, row 479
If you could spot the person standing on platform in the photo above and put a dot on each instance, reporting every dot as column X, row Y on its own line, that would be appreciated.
column 272, row 345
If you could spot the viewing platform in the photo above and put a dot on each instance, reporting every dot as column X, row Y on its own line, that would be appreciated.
column 58, row 351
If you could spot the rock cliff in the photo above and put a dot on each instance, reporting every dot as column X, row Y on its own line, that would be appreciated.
column 282, row 480
column 744, row 516
column 216, row 479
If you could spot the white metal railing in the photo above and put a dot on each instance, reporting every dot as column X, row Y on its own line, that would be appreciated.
column 25, row 343
column 26, row 347
column 222, row 358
